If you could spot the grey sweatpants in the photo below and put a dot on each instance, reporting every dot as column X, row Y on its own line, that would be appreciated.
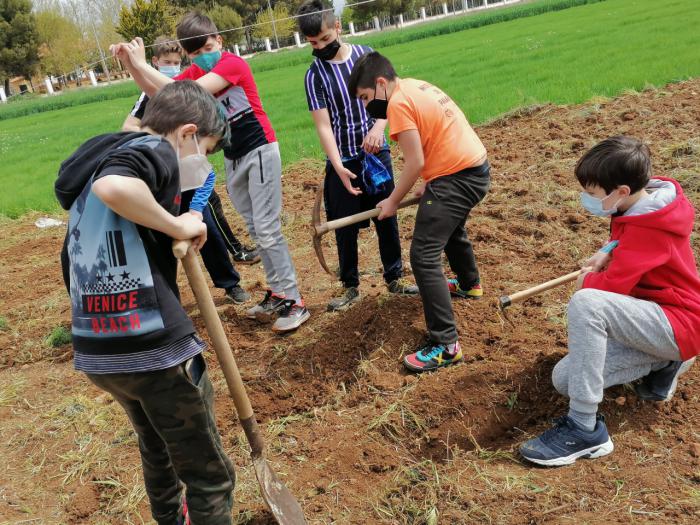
column 613, row 339
column 254, row 184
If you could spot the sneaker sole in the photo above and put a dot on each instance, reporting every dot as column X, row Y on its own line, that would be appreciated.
column 472, row 297
column 247, row 263
column 343, row 307
column 296, row 325
column 413, row 368
column 674, row 384
column 597, row 451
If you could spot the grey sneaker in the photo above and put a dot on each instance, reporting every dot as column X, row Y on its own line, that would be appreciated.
column 345, row 300
column 237, row 294
column 402, row 287
column 247, row 256
column 661, row 384
column 265, row 309
column 291, row 317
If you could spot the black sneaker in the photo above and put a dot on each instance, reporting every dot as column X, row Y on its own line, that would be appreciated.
column 401, row 287
column 661, row 384
column 247, row 256
column 237, row 294
column 292, row 316
column 342, row 302
column 266, row 308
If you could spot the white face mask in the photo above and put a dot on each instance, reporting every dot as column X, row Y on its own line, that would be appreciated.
column 194, row 169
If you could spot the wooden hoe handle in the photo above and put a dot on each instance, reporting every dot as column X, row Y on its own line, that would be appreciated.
column 518, row 297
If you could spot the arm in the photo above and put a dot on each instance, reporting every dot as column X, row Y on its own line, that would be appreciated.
column 414, row 161
column 325, row 134
column 132, row 199
column 601, row 259
column 131, row 123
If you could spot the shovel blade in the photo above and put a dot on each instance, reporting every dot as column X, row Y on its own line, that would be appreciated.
column 282, row 504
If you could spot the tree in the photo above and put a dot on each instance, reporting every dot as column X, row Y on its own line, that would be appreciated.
column 60, row 43
column 147, row 19
column 284, row 28
column 226, row 18
column 18, row 40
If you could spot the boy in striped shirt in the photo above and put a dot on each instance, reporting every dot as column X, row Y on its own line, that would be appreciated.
column 348, row 135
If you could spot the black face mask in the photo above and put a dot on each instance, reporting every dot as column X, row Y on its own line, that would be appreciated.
column 377, row 108
column 328, row 52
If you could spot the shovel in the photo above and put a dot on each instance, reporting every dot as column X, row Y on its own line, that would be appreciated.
column 506, row 300
column 284, row 507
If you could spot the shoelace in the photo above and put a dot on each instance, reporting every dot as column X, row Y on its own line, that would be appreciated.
column 288, row 306
column 559, row 423
column 434, row 352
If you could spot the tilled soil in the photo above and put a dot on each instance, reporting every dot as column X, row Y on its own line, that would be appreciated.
column 354, row 437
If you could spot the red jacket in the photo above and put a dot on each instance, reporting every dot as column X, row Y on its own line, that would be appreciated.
column 654, row 261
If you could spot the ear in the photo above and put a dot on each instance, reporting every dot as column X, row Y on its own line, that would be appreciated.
column 220, row 41
column 337, row 25
column 624, row 190
column 186, row 131
column 154, row 61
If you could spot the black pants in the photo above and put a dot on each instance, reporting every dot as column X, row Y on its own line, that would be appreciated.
column 339, row 203
column 215, row 250
column 232, row 243
column 440, row 226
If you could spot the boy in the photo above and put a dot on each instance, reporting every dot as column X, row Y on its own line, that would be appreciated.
column 439, row 145
column 347, row 134
column 637, row 311
column 131, row 336
column 253, row 164
column 167, row 56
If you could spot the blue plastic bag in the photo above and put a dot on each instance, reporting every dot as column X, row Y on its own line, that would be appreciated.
column 374, row 174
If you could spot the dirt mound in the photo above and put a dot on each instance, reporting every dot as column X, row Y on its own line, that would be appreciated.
column 356, row 438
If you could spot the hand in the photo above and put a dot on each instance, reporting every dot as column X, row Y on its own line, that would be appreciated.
column 121, row 52
column 579, row 281
column 188, row 226
column 374, row 141
column 388, row 208
column 346, row 176
column 197, row 214
column 137, row 52
column 420, row 190
column 598, row 261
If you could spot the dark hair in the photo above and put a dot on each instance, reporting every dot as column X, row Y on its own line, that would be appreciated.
column 315, row 13
column 615, row 162
column 186, row 102
column 192, row 25
column 164, row 45
column 367, row 70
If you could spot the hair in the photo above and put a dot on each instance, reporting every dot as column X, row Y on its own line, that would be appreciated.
column 313, row 14
column 191, row 27
column 367, row 70
column 164, row 45
column 615, row 162
column 186, row 102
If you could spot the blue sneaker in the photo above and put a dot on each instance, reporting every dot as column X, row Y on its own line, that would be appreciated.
column 566, row 442
column 661, row 384
column 432, row 356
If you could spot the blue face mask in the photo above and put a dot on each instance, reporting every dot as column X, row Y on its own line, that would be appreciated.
column 207, row 61
column 594, row 205
column 170, row 71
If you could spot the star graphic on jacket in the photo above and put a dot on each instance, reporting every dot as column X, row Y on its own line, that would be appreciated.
column 110, row 277
column 125, row 276
column 98, row 278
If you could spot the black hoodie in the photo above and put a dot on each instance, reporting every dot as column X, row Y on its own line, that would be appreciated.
column 121, row 276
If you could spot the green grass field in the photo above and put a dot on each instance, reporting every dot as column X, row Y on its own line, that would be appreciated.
column 566, row 56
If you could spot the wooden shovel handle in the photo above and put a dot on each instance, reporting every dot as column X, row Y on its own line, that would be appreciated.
column 358, row 217
column 518, row 297
column 183, row 251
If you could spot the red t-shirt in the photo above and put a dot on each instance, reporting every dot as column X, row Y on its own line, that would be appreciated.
column 250, row 126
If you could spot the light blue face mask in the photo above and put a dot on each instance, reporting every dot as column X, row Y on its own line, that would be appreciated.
column 594, row 205
column 207, row 61
column 170, row 71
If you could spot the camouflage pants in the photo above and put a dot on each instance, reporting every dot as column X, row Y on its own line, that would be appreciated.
column 179, row 442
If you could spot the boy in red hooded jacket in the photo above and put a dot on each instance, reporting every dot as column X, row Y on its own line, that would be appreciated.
column 637, row 311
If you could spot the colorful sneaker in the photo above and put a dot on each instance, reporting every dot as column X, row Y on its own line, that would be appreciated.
column 661, row 384
column 246, row 256
column 345, row 300
column 566, row 442
column 475, row 292
column 291, row 317
column 237, row 294
column 432, row 356
column 265, row 309
column 402, row 287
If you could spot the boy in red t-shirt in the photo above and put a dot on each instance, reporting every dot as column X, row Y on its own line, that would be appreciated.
column 637, row 312
column 253, row 164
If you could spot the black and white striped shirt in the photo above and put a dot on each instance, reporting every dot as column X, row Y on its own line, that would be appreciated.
column 327, row 87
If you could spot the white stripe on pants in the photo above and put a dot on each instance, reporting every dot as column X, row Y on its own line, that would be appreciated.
column 254, row 184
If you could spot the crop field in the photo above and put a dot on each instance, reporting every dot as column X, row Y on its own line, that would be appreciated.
column 354, row 437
